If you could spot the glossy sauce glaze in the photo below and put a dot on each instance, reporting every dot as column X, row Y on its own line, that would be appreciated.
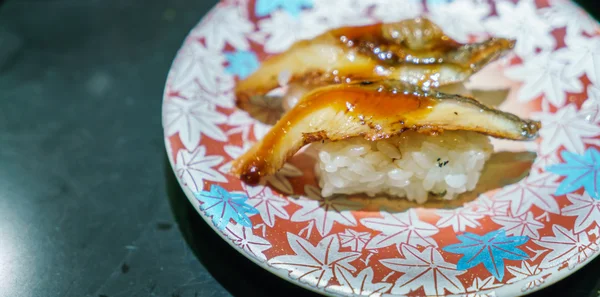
column 370, row 105
column 373, row 110
column 417, row 42
column 415, row 51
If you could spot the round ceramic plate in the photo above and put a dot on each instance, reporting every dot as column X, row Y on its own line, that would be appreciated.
column 533, row 219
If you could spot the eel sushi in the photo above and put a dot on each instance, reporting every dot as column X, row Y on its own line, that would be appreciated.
column 386, row 137
column 369, row 100
column 414, row 51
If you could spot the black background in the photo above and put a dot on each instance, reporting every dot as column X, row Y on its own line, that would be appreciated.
column 88, row 202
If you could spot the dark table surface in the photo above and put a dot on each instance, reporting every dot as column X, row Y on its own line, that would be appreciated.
column 88, row 203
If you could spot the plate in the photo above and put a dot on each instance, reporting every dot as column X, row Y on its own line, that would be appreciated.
column 533, row 220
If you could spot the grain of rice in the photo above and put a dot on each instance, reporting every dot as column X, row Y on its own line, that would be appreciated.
column 410, row 165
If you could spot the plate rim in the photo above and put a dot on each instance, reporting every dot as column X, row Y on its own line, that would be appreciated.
column 553, row 274
column 556, row 275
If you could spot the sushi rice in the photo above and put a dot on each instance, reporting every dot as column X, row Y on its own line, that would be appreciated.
column 411, row 165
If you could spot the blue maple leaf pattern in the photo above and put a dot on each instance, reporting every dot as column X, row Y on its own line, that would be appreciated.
column 223, row 207
column 490, row 250
column 580, row 171
column 293, row 7
column 241, row 63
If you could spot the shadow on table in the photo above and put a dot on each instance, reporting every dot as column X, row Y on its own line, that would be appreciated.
column 240, row 277
column 232, row 270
